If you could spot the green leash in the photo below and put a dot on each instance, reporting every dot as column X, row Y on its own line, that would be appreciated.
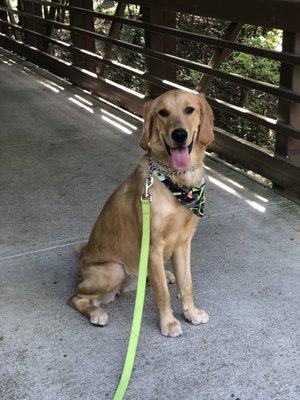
column 140, row 294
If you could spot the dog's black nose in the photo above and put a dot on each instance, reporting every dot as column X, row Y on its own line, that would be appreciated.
column 179, row 135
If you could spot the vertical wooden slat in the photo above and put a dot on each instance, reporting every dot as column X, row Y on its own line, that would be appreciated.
column 288, row 112
column 85, row 21
column 220, row 55
column 12, row 19
column 49, row 14
column 32, row 24
column 3, row 16
column 159, row 42
column 294, row 147
column 114, row 32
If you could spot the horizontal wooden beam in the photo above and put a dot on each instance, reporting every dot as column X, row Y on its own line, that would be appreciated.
column 287, row 57
column 125, row 98
column 282, row 14
column 229, row 77
column 253, row 157
column 278, row 169
column 284, row 129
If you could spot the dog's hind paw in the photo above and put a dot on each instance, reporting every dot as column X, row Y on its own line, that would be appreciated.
column 98, row 316
column 170, row 276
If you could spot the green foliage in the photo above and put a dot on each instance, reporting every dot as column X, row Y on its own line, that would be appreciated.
column 253, row 67
column 246, row 65
column 259, row 68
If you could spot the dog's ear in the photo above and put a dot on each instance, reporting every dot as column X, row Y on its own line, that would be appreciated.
column 206, row 132
column 147, row 126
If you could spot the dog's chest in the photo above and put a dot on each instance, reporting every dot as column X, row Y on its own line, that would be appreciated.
column 172, row 223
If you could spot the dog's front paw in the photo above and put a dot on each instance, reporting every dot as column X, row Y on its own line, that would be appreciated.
column 98, row 316
column 196, row 316
column 171, row 328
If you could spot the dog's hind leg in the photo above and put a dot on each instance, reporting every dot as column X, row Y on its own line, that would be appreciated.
column 100, row 285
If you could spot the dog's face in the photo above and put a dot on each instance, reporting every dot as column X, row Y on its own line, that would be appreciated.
column 177, row 127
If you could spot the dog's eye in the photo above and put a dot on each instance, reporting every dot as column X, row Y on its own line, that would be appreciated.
column 163, row 112
column 189, row 110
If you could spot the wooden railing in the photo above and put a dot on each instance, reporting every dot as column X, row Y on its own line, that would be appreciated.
column 28, row 31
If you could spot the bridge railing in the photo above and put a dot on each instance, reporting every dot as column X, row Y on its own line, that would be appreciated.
column 31, row 30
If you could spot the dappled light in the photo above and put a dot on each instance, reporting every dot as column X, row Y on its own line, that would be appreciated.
column 86, row 101
column 90, row 73
column 119, row 109
column 238, row 190
column 235, row 183
column 256, row 206
column 252, row 203
column 116, row 124
column 70, row 127
column 82, row 99
column 223, row 186
column 261, row 198
column 6, row 62
column 174, row 85
column 121, row 120
column 54, row 89
column 126, row 89
column 81, row 105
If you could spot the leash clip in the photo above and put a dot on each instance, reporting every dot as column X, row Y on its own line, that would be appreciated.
column 147, row 185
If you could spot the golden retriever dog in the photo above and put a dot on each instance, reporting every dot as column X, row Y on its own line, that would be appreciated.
column 178, row 125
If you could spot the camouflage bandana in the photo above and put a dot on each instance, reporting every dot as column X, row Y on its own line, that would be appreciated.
column 193, row 198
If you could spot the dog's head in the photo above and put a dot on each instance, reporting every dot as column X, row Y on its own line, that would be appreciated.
column 178, row 125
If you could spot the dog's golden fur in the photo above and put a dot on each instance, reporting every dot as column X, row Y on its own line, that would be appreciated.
column 109, row 261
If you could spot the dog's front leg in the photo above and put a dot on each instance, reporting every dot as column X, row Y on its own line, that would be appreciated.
column 182, row 268
column 169, row 325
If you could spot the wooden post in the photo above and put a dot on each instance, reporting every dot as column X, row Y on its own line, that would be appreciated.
column 114, row 32
column 289, row 112
column 159, row 42
column 84, row 21
column 3, row 16
column 48, row 26
column 32, row 24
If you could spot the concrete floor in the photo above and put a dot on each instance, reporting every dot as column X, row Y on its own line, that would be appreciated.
column 62, row 154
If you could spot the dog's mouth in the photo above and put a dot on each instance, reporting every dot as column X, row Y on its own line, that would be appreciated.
column 180, row 155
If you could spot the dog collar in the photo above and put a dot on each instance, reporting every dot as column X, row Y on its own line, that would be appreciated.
column 193, row 198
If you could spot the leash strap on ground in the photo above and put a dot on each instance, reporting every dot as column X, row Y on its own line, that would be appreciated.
column 139, row 302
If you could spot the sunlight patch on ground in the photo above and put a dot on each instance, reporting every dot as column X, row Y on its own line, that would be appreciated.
column 230, row 190
column 83, row 100
column 6, row 62
column 255, row 205
column 261, row 198
column 223, row 186
column 235, row 183
column 52, row 86
column 81, row 105
column 121, row 120
column 109, row 103
column 116, row 124
column 54, row 89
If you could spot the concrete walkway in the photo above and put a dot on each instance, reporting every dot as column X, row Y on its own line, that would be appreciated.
column 62, row 153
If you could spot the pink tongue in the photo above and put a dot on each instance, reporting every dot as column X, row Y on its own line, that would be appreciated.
column 180, row 158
